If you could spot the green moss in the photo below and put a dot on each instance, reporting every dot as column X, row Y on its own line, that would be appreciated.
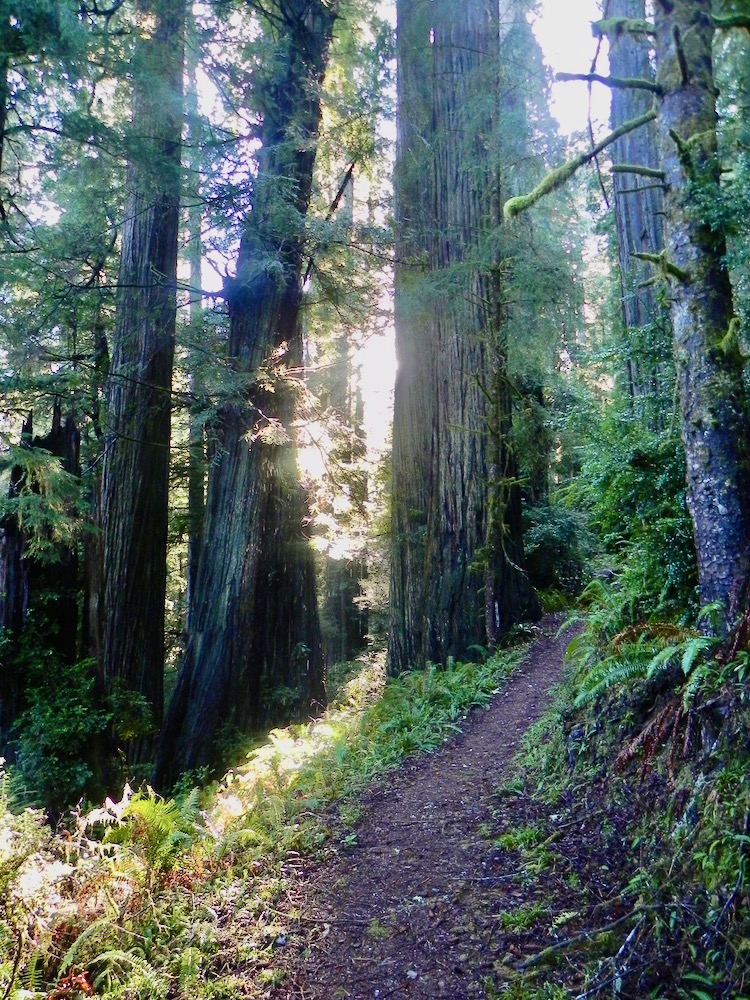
column 613, row 27
column 731, row 21
column 666, row 267
column 558, row 177
column 730, row 342
column 554, row 180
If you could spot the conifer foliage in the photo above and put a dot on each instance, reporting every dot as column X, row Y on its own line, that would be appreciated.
column 126, row 428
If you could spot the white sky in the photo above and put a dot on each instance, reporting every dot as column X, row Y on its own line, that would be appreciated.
column 563, row 30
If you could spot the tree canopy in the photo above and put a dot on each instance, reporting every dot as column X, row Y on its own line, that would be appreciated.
column 205, row 221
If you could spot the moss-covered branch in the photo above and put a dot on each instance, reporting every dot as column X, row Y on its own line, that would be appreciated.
column 684, row 155
column 666, row 268
column 637, row 168
column 557, row 178
column 616, row 82
column 613, row 27
column 732, row 21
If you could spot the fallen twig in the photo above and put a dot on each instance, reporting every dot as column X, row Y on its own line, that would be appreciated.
column 545, row 953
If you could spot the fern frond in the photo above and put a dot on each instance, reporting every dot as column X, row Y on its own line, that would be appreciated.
column 659, row 664
column 127, row 972
column 656, row 631
column 190, row 807
column 32, row 976
column 99, row 928
column 188, row 968
column 578, row 648
column 607, row 673
column 694, row 648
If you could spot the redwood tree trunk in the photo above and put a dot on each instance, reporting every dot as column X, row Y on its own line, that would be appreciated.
column 639, row 209
column 344, row 619
column 136, row 461
column 196, row 434
column 713, row 404
column 255, row 652
column 455, row 491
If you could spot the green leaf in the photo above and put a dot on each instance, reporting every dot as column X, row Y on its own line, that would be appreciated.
column 692, row 650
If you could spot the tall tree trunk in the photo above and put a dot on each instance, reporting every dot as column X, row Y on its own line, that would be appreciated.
column 345, row 620
column 455, row 491
column 638, row 202
column 713, row 404
column 196, row 436
column 136, row 462
column 255, row 651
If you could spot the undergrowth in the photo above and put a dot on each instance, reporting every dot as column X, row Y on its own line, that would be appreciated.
column 149, row 897
column 644, row 759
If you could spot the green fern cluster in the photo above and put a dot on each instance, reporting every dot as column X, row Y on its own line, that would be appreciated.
column 604, row 658
column 160, row 830
column 24, row 841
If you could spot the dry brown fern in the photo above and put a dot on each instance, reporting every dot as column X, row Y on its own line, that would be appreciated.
column 662, row 729
column 664, row 633
column 737, row 641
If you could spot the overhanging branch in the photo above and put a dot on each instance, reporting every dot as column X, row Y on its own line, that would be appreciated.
column 732, row 21
column 558, row 177
column 612, row 27
column 616, row 82
column 637, row 168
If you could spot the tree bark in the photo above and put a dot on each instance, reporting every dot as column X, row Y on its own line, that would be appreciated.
column 344, row 618
column 255, row 653
column 136, row 463
column 455, row 490
column 639, row 209
column 713, row 405
column 196, row 436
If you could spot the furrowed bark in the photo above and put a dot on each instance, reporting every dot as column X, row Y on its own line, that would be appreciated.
column 136, row 463
column 458, row 568
column 639, row 206
column 255, row 652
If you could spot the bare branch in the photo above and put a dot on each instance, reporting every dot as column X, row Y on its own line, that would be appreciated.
column 640, row 190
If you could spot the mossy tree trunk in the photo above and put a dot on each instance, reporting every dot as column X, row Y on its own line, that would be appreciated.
column 713, row 405
column 136, row 457
column 456, row 538
column 255, row 652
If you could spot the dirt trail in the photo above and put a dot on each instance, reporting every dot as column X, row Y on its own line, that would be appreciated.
column 412, row 908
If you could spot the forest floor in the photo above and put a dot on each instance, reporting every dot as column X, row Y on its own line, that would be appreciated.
column 447, row 882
